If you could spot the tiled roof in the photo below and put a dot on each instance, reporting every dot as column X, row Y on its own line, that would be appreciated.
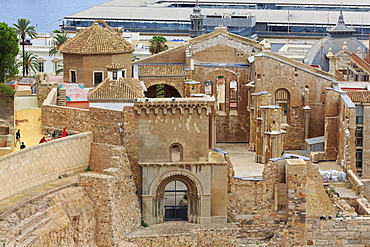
column 114, row 66
column 359, row 96
column 97, row 40
column 121, row 91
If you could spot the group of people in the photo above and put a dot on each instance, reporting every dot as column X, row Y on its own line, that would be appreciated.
column 51, row 134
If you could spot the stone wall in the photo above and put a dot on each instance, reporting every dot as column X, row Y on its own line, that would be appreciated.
column 294, row 136
column 115, row 200
column 274, row 72
column 104, row 123
column 338, row 232
column 253, row 209
column 209, row 235
column 101, row 154
column 43, row 89
column 232, row 128
column 59, row 117
column 162, row 123
column 43, row 163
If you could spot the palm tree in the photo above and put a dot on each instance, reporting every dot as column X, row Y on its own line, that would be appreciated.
column 60, row 38
column 30, row 62
column 157, row 44
column 23, row 28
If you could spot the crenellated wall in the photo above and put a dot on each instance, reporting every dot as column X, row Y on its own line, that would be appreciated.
column 43, row 163
column 164, row 122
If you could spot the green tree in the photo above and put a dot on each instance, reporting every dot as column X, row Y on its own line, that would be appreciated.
column 30, row 62
column 157, row 44
column 23, row 28
column 134, row 58
column 8, row 51
column 60, row 39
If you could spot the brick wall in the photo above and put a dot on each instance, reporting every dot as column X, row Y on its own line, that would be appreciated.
column 43, row 163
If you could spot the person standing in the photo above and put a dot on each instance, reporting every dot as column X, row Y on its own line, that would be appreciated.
column 23, row 146
column 64, row 132
column 18, row 137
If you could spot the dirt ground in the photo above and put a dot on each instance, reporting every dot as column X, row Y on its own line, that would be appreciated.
column 29, row 122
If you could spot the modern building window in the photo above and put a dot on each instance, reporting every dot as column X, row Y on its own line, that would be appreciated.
column 359, row 114
column 73, row 76
column 114, row 75
column 282, row 99
column 359, row 136
column 41, row 67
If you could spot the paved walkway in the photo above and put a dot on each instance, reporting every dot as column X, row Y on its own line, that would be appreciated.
column 243, row 160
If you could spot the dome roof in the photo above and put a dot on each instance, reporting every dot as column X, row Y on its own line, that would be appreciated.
column 97, row 40
column 335, row 41
column 317, row 54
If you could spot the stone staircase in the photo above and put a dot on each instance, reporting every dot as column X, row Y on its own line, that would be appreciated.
column 26, row 228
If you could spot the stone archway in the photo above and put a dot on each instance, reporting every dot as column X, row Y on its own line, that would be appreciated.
column 198, row 204
column 162, row 91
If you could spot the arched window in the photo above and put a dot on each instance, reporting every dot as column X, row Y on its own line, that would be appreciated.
column 176, row 152
column 208, row 87
column 282, row 98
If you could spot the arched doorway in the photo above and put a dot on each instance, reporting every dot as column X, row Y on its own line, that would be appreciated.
column 162, row 91
column 176, row 198
column 175, row 201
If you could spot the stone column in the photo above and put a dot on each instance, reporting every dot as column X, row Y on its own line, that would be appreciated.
column 205, row 210
column 306, row 113
column 147, row 209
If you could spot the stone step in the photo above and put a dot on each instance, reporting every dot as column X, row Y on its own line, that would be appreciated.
column 27, row 232
column 29, row 241
column 33, row 219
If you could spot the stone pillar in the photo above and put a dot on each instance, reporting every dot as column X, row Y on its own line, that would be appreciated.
column 147, row 209
column 306, row 113
column 260, row 99
column 331, row 58
column 205, row 210
column 272, row 132
column 296, row 177
column 366, row 142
